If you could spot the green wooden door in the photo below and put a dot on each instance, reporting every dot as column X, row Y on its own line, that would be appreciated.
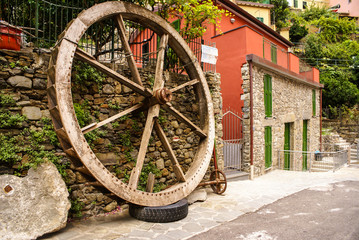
column 305, row 144
column 268, row 146
column 287, row 146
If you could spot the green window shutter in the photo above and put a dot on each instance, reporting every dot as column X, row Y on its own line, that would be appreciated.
column 296, row 3
column 268, row 146
column 268, row 95
column 260, row 19
column 274, row 54
column 314, row 103
column 305, row 145
column 286, row 146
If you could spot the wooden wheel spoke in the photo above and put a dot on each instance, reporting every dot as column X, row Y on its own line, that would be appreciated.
column 93, row 126
column 85, row 57
column 176, row 166
column 169, row 108
column 136, row 171
column 189, row 83
column 128, row 52
column 159, row 82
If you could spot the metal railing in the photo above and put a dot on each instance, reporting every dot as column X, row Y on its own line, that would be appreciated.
column 232, row 140
column 311, row 161
column 354, row 153
column 42, row 21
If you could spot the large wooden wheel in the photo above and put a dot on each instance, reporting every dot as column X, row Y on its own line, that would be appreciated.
column 71, row 135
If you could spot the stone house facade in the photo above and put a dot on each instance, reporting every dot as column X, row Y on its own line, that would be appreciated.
column 294, row 105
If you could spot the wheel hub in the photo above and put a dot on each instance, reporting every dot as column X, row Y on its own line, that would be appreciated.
column 163, row 95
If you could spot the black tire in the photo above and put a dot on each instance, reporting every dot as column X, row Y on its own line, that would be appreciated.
column 162, row 214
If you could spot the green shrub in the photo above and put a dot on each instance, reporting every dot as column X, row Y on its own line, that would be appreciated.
column 83, row 113
column 9, row 150
column 6, row 100
column 9, row 120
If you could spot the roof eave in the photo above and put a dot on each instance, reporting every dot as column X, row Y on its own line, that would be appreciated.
column 251, row 19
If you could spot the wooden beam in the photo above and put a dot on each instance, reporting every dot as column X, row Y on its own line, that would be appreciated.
column 93, row 126
column 159, row 82
column 176, row 167
column 129, row 56
column 189, row 83
column 169, row 108
column 136, row 171
column 85, row 57
column 150, row 182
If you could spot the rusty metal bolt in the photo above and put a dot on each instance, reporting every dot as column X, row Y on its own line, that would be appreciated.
column 8, row 189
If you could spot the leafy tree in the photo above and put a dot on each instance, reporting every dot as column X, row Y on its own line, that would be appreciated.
column 331, row 46
column 280, row 13
column 313, row 12
column 335, row 29
column 297, row 31
column 339, row 87
column 313, row 48
column 192, row 13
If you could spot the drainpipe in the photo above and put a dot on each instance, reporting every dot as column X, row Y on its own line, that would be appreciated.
column 321, row 101
column 251, row 176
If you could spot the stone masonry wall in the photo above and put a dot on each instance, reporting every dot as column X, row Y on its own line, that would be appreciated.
column 291, row 103
column 23, row 76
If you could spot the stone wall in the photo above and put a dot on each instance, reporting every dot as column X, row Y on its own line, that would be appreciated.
column 350, row 132
column 23, row 77
column 291, row 103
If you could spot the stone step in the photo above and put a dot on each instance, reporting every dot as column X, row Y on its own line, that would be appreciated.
column 320, row 170
column 233, row 175
column 323, row 165
column 326, row 168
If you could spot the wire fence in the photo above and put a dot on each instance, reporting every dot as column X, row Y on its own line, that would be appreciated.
column 311, row 161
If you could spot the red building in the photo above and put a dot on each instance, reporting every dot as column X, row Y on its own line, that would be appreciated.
column 242, row 34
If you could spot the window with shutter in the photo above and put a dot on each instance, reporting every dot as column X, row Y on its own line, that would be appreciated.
column 296, row 3
column 268, row 95
column 274, row 53
column 268, row 146
column 260, row 19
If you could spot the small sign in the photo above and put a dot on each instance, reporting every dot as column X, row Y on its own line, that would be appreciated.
column 209, row 54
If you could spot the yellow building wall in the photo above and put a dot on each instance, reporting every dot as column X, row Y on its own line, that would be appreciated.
column 285, row 33
column 258, row 12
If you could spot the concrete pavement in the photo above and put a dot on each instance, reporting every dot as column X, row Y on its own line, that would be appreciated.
column 317, row 213
column 241, row 197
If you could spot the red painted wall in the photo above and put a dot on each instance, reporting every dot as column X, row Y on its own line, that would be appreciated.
column 293, row 63
column 234, row 40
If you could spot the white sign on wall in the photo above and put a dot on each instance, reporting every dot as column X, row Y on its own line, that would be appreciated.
column 209, row 54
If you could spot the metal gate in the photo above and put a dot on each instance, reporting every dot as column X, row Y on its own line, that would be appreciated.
column 232, row 140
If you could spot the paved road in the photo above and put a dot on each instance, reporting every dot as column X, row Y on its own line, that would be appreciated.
column 326, row 212
column 241, row 198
